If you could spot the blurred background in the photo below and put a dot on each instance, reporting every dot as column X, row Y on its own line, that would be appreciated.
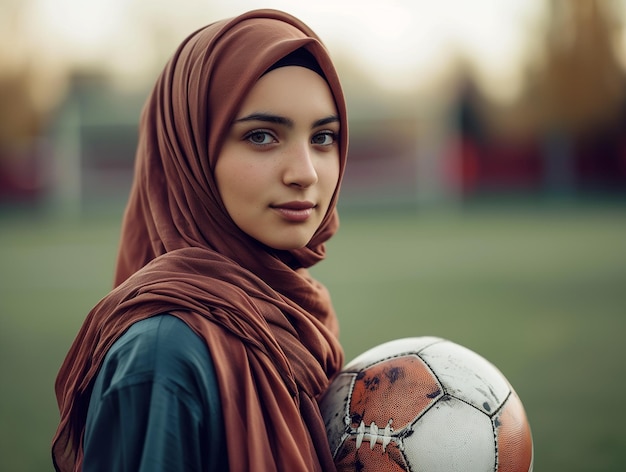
column 483, row 202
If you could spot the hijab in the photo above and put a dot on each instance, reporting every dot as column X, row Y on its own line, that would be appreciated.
column 269, row 326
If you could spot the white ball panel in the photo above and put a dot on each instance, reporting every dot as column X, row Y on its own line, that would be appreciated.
column 467, row 375
column 451, row 437
column 390, row 349
column 334, row 408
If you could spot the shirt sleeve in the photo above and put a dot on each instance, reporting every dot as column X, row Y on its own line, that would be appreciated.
column 155, row 405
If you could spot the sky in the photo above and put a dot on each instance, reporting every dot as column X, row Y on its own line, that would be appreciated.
column 397, row 42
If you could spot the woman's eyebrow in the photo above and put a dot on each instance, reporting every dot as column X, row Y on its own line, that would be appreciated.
column 267, row 117
column 325, row 121
column 281, row 120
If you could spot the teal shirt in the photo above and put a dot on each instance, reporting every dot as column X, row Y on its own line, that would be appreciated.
column 155, row 404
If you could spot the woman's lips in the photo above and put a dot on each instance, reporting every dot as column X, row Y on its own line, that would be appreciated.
column 295, row 211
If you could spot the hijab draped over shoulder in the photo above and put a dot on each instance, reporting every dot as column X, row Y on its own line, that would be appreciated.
column 269, row 326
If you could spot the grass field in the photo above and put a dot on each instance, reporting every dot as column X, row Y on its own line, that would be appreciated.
column 541, row 292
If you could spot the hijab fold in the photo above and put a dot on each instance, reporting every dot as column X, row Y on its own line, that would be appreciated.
column 269, row 326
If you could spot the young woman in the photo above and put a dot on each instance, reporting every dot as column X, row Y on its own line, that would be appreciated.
column 212, row 349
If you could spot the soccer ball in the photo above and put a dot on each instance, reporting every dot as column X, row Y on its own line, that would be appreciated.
column 425, row 404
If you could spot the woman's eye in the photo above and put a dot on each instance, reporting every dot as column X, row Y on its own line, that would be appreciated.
column 260, row 137
column 325, row 138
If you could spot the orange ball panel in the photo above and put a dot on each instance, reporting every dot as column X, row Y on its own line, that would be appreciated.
column 400, row 389
column 350, row 458
column 515, row 443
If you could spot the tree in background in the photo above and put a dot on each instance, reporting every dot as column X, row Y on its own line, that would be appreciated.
column 30, row 87
column 576, row 91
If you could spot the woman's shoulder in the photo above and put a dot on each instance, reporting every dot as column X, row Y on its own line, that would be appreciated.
column 156, row 402
column 161, row 349
column 159, row 334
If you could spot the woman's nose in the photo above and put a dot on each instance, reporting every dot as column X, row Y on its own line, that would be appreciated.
column 299, row 166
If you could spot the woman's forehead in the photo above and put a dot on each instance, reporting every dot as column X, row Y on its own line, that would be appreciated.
column 289, row 92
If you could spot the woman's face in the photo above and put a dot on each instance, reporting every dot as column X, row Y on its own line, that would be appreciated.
column 279, row 166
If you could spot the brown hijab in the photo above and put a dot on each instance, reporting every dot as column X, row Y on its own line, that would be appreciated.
column 269, row 326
